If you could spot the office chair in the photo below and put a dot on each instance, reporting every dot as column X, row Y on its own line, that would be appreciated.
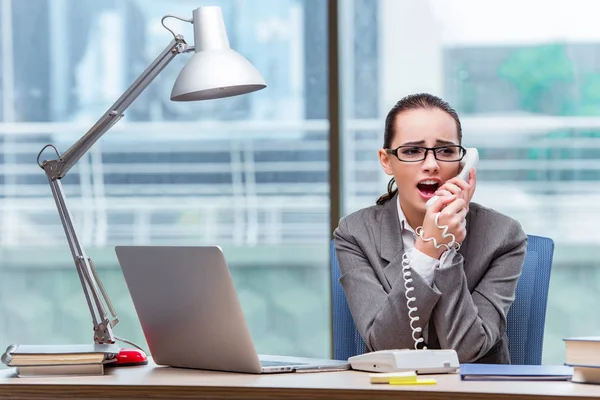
column 525, row 320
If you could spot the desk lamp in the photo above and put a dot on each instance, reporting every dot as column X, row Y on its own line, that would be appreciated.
column 214, row 71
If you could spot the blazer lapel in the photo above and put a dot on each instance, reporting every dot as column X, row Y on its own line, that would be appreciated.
column 465, row 243
column 390, row 241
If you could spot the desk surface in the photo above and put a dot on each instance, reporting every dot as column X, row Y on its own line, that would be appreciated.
column 155, row 382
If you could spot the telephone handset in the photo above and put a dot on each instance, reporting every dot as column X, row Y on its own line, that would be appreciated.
column 469, row 161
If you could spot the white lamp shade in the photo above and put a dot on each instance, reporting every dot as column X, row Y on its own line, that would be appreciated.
column 214, row 74
column 215, row 70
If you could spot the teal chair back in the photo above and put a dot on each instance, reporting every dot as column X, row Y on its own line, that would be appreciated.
column 525, row 321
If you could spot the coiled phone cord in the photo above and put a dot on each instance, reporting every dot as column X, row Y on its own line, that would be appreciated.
column 445, row 234
column 406, row 274
column 409, row 299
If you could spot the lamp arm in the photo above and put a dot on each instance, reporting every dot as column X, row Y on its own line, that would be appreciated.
column 56, row 169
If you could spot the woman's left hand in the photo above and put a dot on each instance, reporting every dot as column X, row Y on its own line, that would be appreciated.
column 460, row 188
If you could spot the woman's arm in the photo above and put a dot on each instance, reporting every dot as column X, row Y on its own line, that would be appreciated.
column 381, row 317
column 472, row 323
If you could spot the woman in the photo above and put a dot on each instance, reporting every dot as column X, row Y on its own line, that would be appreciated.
column 462, row 288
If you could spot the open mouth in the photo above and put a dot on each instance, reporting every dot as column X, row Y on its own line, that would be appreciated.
column 428, row 188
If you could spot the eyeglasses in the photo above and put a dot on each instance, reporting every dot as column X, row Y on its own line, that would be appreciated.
column 419, row 153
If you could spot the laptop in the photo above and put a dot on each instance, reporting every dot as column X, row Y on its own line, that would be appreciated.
column 191, row 315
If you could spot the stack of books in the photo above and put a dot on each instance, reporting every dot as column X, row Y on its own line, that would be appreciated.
column 583, row 354
column 59, row 360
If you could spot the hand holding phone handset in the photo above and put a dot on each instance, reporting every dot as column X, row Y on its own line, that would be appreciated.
column 468, row 162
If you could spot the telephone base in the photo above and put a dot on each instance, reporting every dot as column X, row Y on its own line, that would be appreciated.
column 421, row 361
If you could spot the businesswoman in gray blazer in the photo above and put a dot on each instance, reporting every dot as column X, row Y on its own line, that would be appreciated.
column 404, row 291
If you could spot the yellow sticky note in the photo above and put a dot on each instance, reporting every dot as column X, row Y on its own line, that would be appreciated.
column 415, row 382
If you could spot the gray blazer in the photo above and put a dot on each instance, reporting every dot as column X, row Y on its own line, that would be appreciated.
column 465, row 308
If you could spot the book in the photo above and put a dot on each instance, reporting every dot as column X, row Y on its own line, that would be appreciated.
column 508, row 372
column 60, row 370
column 29, row 355
column 583, row 351
column 584, row 374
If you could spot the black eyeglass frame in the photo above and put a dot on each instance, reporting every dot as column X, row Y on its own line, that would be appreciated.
column 427, row 149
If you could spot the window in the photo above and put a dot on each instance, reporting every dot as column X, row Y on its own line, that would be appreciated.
column 248, row 173
column 528, row 100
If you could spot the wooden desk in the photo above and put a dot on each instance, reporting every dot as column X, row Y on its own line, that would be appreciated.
column 152, row 382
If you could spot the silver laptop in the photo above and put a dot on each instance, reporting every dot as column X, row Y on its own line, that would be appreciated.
column 190, row 313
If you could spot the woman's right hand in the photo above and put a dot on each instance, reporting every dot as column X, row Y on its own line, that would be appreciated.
column 452, row 211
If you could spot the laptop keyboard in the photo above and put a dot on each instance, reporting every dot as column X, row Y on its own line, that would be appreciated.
column 269, row 363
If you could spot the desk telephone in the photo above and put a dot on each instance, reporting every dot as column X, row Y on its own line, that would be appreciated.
column 423, row 361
